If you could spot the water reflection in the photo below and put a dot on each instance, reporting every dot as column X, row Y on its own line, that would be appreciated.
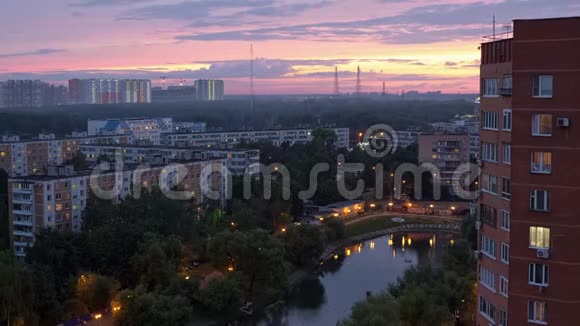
column 345, row 278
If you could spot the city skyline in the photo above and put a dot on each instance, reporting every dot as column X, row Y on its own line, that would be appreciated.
column 411, row 45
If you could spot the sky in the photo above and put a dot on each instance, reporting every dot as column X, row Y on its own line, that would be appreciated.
column 423, row 45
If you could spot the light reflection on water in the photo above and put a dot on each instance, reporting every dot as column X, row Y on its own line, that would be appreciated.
column 327, row 296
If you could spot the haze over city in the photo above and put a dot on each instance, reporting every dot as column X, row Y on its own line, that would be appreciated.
column 411, row 45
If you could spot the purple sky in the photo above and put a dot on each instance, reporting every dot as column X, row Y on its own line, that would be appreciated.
column 412, row 44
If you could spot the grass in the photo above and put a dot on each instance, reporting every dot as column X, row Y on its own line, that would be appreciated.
column 384, row 222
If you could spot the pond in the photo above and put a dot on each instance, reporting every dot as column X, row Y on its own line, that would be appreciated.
column 327, row 296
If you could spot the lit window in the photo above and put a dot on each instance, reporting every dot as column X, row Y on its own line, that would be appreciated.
column 539, row 237
column 539, row 200
column 538, row 274
column 543, row 86
column 507, row 120
column 541, row 125
column 541, row 162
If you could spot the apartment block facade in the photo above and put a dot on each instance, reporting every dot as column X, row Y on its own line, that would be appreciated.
column 58, row 198
column 109, row 91
column 446, row 151
column 238, row 160
column 528, row 230
column 30, row 157
column 276, row 137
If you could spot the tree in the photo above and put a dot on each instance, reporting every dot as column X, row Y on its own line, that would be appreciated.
column 141, row 308
column 304, row 244
column 156, row 261
column 376, row 310
column 79, row 161
column 95, row 291
column 334, row 228
column 222, row 297
column 11, row 288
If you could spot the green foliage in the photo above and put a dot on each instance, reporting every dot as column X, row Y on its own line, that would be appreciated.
column 156, row 260
column 222, row 298
column 12, row 299
column 95, row 291
column 334, row 228
column 376, row 310
column 304, row 244
column 256, row 254
column 141, row 308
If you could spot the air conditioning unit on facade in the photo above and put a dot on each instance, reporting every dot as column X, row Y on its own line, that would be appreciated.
column 542, row 253
column 477, row 225
column 477, row 254
column 563, row 122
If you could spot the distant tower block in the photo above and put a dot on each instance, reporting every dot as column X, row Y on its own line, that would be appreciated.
column 336, row 89
column 384, row 89
column 358, row 86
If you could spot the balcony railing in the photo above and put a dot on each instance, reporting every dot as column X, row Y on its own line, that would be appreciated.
column 505, row 91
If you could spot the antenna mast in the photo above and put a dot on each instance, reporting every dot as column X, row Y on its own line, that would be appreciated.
column 384, row 88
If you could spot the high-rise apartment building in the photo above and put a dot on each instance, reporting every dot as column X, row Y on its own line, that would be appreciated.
column 528, row 262
column 447, row 151
column 23, row 93
column 109, row 91
column 209, row 90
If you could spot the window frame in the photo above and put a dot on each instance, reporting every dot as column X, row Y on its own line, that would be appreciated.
column 506, row 148
column 534, row 200
column 534, row 304
column 533, row 274
column 503, row 286
column 539, row 238
column 538, row 79
column 489, row 152
column 506, row 247
column 505, row 216
column 489, row 120
column 541, row 164
column 490, row 245
column 485, row 87
column 507, row 113
column 537, row 122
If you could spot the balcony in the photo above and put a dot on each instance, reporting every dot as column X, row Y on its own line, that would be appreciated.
column 505, row 91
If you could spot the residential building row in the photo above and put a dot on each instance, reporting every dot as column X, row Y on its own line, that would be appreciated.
column 276, row 137
column 58, row 198
column 528, row 263
column 109, row 91
column 31, row 93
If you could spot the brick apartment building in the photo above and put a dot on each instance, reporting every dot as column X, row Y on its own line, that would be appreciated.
column 529, row 260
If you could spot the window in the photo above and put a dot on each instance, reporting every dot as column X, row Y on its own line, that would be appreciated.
column 58, row 196
column 505, row 253
column 541, row 162
column 487, row 278
column 489, row 183
column 503, row 286
column 539, row 237
column 488, row 246
column 506, row 188
column 507, row 153
column 537, row 312
column 487, row 309
column 488, row 215
column 489, row 152
column 541, row 125
column 538, row 274
column 539, row 200
column 505, row 220
column 543, row 86
column 490, row 88
column 489, row 120
column 507, row 120
column 503, row 320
